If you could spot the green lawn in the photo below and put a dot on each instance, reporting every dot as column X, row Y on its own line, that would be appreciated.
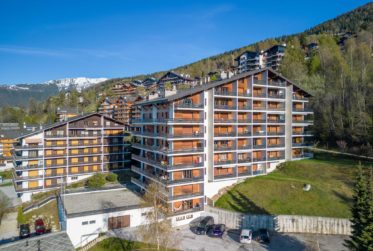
column 116, row 244
column 281, row 192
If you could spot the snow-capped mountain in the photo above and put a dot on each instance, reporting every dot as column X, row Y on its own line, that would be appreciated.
column 75, row 83
column 19, row 95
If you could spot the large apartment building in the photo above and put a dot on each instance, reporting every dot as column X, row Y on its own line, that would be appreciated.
column 68, row 151
column 254, row 60
column 201, row 140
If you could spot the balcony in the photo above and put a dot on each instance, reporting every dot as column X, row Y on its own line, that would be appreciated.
column 164, row 164
column 224, row 162
column 302, row 109
column 225, row 93
column 259, row 120
column 275, row 145
column 167, row 121
column 261, row 146
column 225, row 107
column 276, row 83
column 259, row 133
column 19, row 188
column 259, row 159
column 223, row 148
column 276, row 133
column 277, row 108
column 245, row 133
column 164, row 178
column 54, row 136
column 244, row 94
column 185, row 135
column 243, row 120
column 166, row 150
column 302, row 121
column 259, row 82
column 259, row 95
column 244, row 107
column 276, row 121
column 301, row 98
column 244, row 160
column 255, row 107
column 16, row 177
column 224, row 120
column 27, row 147
column 277, row 96
column 185, row 196
column 302, row 156
column 224, row 134
column 281, row 157
column 191, row 106
column 302, row 133
column 89, row 135
column 224, row 176
column 28, row 167
column 30, row 157
column 246, row 146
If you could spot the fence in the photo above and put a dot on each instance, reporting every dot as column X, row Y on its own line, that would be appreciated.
column 38, row 204
column 281, row 223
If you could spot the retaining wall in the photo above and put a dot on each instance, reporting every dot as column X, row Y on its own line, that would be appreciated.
column 281, row 223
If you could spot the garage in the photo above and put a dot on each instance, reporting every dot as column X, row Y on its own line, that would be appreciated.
column 119, row 222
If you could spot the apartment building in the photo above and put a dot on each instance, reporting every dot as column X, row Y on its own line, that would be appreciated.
column 68, row 151
column 254, row 60
column 201, row 140
column 7, row 140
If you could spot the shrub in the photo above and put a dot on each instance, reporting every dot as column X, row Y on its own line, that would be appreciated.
column 20, row 217
column 111, row 177
column 96, row 181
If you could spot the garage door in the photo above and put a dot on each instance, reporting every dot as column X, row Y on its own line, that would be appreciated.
column 119, row 222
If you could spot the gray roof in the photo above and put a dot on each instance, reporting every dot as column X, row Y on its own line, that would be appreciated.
column 72, row 119
column 12, row 134
column 214, row 84
column 47, row 242
column 97, row 202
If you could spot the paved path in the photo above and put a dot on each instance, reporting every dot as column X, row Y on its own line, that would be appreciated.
column 8, row 227
column 12, row 195
column 279, row 242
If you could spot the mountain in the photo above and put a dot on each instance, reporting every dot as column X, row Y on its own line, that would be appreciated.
column 19, row 95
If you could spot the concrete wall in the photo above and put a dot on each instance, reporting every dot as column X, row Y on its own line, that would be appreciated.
column 80, row 234
column 281, row 223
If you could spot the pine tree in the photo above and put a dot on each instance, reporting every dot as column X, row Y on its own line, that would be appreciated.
column 366, row 238
column 359, row 218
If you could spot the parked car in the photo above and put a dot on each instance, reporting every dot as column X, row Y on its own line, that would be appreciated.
column 262, row 235
column 39, row 226
column 217, row 230
column 246, row 236
column 24, row 231
column 205, row 225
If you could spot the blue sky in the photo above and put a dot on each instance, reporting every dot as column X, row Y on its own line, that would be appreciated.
column 43, row 40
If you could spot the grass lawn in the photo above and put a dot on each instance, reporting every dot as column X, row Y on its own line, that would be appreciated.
column 281, row 192
column 47, row 210
column 116, row 244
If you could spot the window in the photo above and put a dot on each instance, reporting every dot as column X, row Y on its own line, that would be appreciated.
column 95, row 123
column 74, row 178
column 92, row 222
column 48, row 133
column 85, row 223
column 60, row 133
column 107, row 123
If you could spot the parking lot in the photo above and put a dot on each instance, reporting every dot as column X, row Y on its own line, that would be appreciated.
column 279, row 242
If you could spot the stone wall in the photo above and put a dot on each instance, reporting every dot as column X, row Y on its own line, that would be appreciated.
column 281, row 223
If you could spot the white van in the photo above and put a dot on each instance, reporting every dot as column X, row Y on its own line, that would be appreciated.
column 246, row 236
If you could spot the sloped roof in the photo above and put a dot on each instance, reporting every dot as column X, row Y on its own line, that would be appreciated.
column 217, row 83
column 72, row 119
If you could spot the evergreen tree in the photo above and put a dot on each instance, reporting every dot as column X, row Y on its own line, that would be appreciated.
column 359, row 219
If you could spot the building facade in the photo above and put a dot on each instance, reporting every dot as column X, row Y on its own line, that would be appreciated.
column 68, row 151
column 253, row 60
column 209, row 137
